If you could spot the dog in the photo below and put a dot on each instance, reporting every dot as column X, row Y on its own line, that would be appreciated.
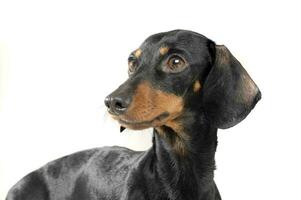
column 185, row 87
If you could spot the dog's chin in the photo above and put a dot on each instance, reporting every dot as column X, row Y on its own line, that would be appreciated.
column 139, row 125
column 135, row 126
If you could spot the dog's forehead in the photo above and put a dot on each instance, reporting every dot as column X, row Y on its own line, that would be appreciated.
column 174, row 39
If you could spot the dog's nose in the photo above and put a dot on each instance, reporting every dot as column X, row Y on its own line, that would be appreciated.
column 117, row 105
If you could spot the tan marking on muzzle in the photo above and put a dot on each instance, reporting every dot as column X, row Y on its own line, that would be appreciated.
column 149, row 103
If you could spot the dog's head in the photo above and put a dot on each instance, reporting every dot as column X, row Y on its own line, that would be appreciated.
column 182, row 71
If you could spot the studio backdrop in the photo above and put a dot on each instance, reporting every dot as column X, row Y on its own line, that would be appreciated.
column 60, row 59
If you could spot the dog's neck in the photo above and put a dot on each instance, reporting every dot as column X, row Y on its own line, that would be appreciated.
column 185, row 157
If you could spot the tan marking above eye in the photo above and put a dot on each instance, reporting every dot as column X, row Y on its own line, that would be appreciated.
column 197, row 86
column 138, row 53
column 163, row 50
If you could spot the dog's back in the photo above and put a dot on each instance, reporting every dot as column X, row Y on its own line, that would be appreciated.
column 96, row 173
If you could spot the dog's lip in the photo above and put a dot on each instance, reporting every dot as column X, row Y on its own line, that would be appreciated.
column 143, row 123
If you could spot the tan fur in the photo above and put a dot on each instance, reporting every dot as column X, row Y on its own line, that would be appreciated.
column 160, row 131
column 163, row 50
column 138, row 53
column 197, row 86
column 148, row 103
column 179, row 146
column 178, row 143
column 177, row 140
column 175, row 125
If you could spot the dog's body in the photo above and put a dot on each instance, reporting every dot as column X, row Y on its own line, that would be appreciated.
column 114, row 173
column 183, row 86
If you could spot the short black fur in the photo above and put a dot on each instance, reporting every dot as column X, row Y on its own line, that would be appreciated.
column 216, row 93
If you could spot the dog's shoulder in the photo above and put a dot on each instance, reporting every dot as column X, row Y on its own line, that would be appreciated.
column 35, row 185
column 59, row 177
column 85, row 160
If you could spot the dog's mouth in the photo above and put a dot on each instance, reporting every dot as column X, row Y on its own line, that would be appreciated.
column 138, row 125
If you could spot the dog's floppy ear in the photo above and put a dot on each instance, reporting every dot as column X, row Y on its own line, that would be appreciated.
column 229, row 93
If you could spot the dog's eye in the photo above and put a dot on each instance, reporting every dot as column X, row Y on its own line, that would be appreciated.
column 132, row 66
column 132, row 62
column 175, row 64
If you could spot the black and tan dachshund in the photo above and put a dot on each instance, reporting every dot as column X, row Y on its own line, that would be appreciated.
column 185, row 87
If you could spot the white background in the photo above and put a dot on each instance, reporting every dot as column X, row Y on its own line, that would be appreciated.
column 59, row 59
